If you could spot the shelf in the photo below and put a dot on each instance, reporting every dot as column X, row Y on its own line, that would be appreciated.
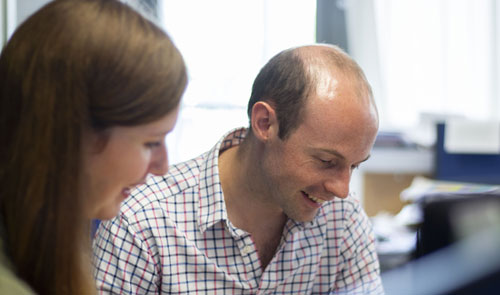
column 400, row 160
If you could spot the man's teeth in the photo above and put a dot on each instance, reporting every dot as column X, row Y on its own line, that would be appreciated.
column 319, row 201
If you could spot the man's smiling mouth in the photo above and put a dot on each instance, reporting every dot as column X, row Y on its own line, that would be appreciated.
column 314, row 199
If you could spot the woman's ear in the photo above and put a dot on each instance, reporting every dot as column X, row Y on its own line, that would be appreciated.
column 94, row 142
column 264, row 121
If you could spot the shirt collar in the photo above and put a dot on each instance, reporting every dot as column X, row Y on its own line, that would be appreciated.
column 212, row 208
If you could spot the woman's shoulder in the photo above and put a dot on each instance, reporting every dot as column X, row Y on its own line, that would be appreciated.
column 9, row 282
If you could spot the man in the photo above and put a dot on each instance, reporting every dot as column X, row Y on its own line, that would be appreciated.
column 267, row 210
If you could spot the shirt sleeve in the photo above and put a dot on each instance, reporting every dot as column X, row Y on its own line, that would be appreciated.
column 361, row 271
column 123, row 260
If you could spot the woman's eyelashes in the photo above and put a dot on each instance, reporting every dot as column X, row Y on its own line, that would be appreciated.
column 153, row 144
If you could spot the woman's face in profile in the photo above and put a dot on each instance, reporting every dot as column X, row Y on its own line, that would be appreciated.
column 111, row 170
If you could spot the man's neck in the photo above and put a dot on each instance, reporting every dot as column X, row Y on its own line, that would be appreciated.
column 248, row 206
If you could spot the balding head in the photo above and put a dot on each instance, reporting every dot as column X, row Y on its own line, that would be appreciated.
column 294, row 75
column 326, row 65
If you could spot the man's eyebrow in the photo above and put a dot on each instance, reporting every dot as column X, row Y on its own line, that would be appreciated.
column 339, row 155
column 332, row 152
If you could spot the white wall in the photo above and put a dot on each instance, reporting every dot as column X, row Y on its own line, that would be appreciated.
column 2, row 24
column 13, row 12
column 27, row 7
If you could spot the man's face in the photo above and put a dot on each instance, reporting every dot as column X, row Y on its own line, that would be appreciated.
column 314, row 163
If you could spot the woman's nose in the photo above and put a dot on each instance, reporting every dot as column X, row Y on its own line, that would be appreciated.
column 159, row 161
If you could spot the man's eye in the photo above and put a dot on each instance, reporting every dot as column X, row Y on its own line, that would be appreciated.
column 327, row 163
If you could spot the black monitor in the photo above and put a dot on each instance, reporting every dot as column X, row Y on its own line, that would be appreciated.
column 450, row 217
column 458, row 248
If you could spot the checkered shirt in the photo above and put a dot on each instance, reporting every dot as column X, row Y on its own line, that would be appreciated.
column 173, row 237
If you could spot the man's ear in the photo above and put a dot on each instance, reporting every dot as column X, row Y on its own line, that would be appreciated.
column 264, row 121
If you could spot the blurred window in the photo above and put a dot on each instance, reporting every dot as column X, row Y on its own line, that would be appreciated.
column 428, row 56
column 224, row 44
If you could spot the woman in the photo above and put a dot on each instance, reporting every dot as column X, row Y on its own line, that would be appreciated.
column 88, row 92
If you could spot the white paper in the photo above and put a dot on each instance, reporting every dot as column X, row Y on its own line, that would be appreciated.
column 472, row 137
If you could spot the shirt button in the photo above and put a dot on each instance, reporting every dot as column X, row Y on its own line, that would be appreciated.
column 247, row 249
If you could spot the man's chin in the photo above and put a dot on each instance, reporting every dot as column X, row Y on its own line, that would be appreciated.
column 303, row 218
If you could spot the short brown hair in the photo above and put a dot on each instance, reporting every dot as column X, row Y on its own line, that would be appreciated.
column 283, row 83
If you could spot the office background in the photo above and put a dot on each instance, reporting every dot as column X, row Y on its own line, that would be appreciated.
column 427, row 61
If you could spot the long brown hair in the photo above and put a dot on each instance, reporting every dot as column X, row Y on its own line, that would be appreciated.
column 73, row 65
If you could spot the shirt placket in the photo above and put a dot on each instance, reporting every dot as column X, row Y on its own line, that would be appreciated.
column 251, row 268
column 286, row 263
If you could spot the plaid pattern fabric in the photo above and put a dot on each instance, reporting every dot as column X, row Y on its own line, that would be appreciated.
column 173, row 237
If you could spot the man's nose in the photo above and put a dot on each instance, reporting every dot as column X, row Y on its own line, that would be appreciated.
column 338, row 184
